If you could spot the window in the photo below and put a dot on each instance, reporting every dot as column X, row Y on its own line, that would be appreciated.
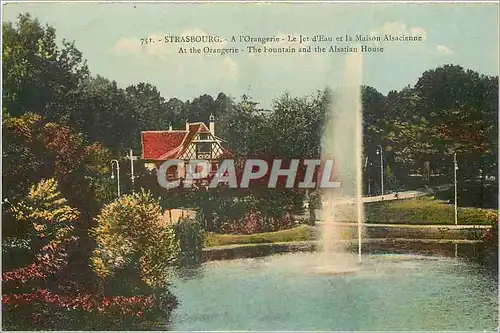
column 204, row 147
column 204, row 136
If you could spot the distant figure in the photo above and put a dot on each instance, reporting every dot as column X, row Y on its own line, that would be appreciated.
column 396, row 195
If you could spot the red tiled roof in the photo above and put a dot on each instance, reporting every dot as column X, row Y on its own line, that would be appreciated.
column 158, row 143
column 163, row 145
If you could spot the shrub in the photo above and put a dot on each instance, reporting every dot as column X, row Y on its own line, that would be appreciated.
column 35, row 148
column 42, row 296
column 43, row 309
column 189, row 235
column 281, row 223
column 230, row 209
column 490, row 236
column 32, row 290
column 253, row 222
column 47, row 211
column 132, row 236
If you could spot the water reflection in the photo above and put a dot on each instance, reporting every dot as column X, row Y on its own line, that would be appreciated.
column 186, row 273
column 389, row 292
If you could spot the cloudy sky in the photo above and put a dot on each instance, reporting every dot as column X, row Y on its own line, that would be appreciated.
column 109, row 37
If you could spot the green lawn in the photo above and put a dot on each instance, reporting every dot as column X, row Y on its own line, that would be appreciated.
column 300, row 233
column 423, row 210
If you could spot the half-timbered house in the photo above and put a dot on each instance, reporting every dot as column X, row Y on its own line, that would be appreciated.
column 195, row 142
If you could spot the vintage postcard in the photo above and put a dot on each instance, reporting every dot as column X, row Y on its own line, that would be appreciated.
column 259, row 166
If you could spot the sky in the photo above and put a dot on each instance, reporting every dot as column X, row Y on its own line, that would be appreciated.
column 109, row 36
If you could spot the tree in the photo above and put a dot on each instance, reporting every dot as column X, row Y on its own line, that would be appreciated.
column 35, row 149
column 460, row 107
column 38, row 76
column 150, row 112
column 47, row 211
column 242, row 125
column 103, row 112
column 296, row 124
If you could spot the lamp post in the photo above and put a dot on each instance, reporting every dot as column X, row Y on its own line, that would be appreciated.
column 381, row 168
column 117, row 174
column 455, row 168
column 132, row 158
column 364, row 170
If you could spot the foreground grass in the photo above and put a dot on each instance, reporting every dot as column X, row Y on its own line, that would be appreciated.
column 300, row 233
column 424, row 210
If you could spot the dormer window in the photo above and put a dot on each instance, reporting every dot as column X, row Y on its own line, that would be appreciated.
column 204, row 147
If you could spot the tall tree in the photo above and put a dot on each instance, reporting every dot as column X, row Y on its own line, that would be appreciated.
column 38, row 75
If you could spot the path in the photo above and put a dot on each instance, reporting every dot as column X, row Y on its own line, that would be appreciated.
column 419, row 226
column 401, row 195
column 386, row 197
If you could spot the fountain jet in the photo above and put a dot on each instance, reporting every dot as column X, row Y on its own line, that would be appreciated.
column 342, row 141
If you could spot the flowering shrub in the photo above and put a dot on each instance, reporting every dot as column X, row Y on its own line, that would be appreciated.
column 491, row 235
column 51, row 258
column 41, row 296
column 43, row 309
column 253, row 222
column 51, row 230
column 280, row 223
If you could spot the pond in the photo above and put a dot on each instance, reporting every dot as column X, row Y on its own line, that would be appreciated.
column 387, row 292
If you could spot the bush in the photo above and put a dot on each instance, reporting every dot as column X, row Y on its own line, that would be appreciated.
column 36, row 149
column 253, row 222
column 42, row 295
column 45, row 310
column 136, row 242
column 490, row 236
column 133, row 237
column 189, row 235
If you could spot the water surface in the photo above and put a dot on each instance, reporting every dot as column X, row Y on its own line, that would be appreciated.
column 387, row 292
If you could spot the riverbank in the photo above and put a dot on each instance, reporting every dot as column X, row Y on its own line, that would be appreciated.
column 421, row 239
column 349, row 230
column 440, row 247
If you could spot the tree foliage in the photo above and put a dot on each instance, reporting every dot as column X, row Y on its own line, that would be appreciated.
column 62, row 125
column 131, row 231
column 38, row 75
column 35, row 149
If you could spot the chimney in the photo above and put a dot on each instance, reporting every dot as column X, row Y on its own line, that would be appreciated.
column 170, row 127
column 211, row 124
column 187, row 125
